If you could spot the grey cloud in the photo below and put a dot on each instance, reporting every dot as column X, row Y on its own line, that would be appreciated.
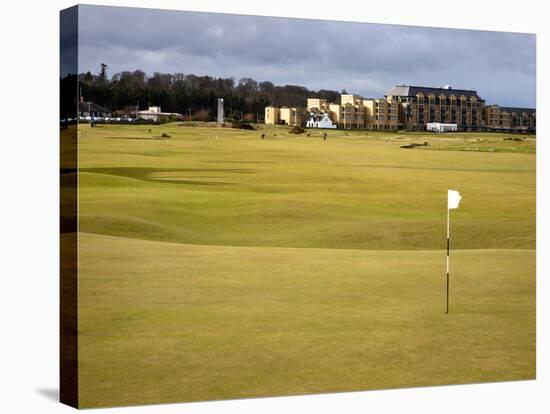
column 363, row 58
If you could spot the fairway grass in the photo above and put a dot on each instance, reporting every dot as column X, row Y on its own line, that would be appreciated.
column 162, row 322
column 216, row 265
column 220, row 186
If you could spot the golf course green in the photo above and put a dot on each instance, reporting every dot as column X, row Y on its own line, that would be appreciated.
column 216, row 264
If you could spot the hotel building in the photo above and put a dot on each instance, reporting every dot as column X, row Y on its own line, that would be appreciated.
column 283, row 116
column 502, row 118
column 411, row 108
column 382, row 114
column 421, row 105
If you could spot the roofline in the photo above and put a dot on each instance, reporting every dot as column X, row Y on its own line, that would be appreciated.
column 515, row 109
column 435, row 87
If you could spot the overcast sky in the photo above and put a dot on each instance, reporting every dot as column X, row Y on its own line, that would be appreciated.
column 366, row 59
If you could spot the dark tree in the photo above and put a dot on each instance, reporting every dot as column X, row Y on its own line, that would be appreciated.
column 191, row 95
column 103, row 73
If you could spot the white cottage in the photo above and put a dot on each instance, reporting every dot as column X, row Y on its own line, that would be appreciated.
column 154, row 113
column 320, row 120
column 439, row 127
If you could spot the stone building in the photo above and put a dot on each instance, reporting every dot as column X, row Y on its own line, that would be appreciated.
column 420, row 105
column 504, row 118
column 412, row 108
column 284, row 115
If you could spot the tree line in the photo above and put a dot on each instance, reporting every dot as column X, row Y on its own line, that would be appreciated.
column 195, row 97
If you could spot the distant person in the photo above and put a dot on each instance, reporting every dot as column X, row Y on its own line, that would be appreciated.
column 263, row 136
column 324, row 136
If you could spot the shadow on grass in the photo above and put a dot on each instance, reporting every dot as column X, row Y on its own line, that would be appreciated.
column 151, row 138
column 146, row 173
column 237, row 162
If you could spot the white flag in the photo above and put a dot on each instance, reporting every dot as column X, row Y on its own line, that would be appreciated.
column 453, row 199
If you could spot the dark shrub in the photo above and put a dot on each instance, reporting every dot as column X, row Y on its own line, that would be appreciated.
column 297, row 130
column 238, row 124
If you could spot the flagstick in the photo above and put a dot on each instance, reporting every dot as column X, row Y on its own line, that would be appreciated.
column 448, row 214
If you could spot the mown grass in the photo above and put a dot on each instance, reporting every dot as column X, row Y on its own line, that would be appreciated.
column 229, row 187
column 215, row 264
column 162, row 322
